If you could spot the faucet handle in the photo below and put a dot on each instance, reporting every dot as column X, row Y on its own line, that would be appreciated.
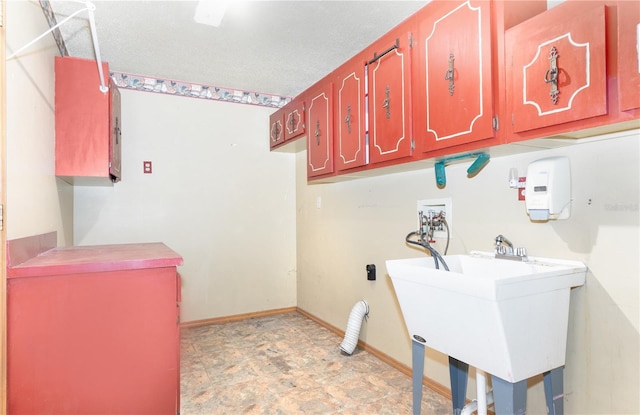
column 521, row 252
column 501, row 249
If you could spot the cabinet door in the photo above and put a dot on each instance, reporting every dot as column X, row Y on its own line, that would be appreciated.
column 350, row 126
column 389, row 96
column 556, row 67
column 82, row 119
column 320, row 131
column 276, row 128
column 453, row 83
column 294, row 125
column 115, row 156
column 629, row 55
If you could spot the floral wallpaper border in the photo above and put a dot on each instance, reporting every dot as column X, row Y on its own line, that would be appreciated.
column 187, row 89
column 171, row 87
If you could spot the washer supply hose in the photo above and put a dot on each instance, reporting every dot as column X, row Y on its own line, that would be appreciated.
column 422, row 242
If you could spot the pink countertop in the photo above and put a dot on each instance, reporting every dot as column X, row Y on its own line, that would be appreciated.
column 96, row 258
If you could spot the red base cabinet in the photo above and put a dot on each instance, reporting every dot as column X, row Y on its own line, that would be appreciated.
column 94, row 330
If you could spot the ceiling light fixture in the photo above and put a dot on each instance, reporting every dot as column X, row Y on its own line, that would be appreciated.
column 211, row 12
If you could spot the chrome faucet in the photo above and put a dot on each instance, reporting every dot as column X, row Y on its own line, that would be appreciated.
column 504, row 249
column 503, row 245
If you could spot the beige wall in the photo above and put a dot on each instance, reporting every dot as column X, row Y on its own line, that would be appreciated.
column 37, row 202
column 216, row 195
column 365, row 221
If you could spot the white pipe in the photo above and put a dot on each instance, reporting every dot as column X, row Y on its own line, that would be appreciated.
column 358, row 312
column 473, row 406
column 96, row 47
column 481, row 392
column 44, row 34
column 94, row 35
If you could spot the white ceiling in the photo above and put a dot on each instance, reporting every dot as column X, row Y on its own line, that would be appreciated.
column 274, row 47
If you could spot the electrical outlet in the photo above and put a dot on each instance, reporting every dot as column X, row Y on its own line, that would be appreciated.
column 371, row 272
column 438, row 205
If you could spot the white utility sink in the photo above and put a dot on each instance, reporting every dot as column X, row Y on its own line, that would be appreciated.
column 507, row 318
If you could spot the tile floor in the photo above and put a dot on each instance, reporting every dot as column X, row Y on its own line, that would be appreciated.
column 288, row 364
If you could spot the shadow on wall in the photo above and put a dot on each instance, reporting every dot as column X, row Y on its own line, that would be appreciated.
column 611, row 353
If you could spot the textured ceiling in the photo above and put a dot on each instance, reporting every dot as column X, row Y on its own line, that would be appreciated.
column 275, row 47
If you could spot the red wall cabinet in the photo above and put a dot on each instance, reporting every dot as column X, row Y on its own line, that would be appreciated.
column 87, row 122
column 389, row 95
column 350, row 115
column 557, row 68
column 294, row 125
column 94, row 330
column 454, row 74
column 628, row 55
column 458, row 85
column 276, row 128
column 320, row 129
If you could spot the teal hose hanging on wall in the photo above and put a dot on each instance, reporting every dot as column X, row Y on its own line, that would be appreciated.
column 481, row 160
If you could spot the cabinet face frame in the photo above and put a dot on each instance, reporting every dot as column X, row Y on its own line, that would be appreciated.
column 320, row 130
column 453, row 74
column 578, row 40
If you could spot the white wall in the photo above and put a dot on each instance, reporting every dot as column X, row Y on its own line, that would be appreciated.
column 217, row 196
column 365, row 221
column 37, row 202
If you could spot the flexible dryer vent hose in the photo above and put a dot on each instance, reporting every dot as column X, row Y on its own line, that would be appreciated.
column 358, row 313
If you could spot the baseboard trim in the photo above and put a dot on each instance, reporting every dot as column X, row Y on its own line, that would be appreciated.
column 237, row 317
column 429, row 383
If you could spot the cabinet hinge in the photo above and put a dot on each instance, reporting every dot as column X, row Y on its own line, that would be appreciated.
column 410, row 40
column 413, row 143
column 1, row 217
column 1, row 13
column 494, row 123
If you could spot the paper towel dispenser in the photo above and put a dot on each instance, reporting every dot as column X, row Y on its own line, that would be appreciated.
column 548, row 189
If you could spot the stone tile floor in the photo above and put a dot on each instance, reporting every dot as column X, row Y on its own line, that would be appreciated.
column 288, row 364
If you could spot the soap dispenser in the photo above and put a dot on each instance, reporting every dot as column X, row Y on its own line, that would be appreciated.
column 548, row 189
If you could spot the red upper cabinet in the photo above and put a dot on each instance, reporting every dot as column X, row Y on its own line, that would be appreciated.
column 87, row 122
column 276, row 128
column 350, row 114
column 294, row 125
column 320, row 129
column 557, row 68
column 453, row 74
column 629, row 55
column 458, row 84
column 389, row 94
